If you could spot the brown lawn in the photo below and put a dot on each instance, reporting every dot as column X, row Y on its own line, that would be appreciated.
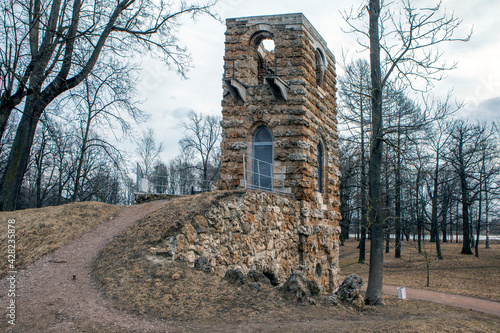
column 456, row 273
column 44, row 230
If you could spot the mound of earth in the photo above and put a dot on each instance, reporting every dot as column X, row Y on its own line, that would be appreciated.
column 172, row 290
column 40, row 231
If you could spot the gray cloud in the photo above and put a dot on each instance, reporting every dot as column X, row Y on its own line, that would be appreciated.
column 488, row 109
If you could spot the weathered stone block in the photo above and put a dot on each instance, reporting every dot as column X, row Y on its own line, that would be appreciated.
column 189, row 231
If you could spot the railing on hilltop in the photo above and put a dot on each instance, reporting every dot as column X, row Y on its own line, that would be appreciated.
column 264, row 176
column 177, row 186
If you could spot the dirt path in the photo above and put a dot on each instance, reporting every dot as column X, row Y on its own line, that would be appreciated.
column 48, row 296
column 466, row 302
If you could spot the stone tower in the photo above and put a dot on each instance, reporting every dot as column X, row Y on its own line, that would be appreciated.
column 279, row 111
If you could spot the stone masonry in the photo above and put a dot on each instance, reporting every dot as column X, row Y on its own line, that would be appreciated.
column 290, row 90
column 255, row 230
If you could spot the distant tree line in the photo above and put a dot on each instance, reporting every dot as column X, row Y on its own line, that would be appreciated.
column 74, row 155
column 79, row 161
column 48, row 51
column 402, row 41
column 440, row 174
column 197, row 166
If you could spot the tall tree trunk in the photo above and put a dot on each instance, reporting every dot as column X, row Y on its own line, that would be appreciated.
column 364, row 204
column 471, row 231
column 450, row 218
column 39, row 170
column 387, row 209
column 434, row 215
column 444, row 213
column 466, row 244
column 387, row 242
column 443, row 227
column 419, row 219
column 456, row 223
column 18, row 159
column 362, row 245
column 376, row 273
column 397, row 228
column 486, row 211
column 478, row 231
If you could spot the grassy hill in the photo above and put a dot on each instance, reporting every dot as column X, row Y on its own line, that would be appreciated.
column 43, row 230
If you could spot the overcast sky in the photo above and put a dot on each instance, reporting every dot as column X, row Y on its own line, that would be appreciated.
column 476, row 81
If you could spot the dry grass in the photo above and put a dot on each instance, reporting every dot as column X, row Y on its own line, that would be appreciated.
column 192, row 301
column 456, row 273
column 396, row 316
column 169, row 289
column 44, row 230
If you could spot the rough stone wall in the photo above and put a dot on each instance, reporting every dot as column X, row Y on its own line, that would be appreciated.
column 299, row 120
column 256, row 230
column 298, row 124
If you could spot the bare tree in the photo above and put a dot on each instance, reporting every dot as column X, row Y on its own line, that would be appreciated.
column 404, row 119
column 465, row 155
column 437, row 141
column 160, row 178
column 202, row 136
column 348, row 153
column 488, row 169
column 354, row 96
column 100, row 101
column 49, row 47
column 181, row 172
column 149, row 150
column 405, row 40
column 42, row 154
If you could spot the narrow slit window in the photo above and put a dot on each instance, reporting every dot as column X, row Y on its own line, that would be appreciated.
column 320, row 167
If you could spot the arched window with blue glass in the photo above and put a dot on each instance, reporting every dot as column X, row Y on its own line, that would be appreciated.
column 263, row 159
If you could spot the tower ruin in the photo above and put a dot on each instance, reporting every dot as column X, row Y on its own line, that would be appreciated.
column 280, row 129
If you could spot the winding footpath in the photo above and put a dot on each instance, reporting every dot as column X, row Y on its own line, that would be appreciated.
column 466, row 302
column 50, row 300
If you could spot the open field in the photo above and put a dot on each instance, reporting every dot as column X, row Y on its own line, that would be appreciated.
column 456, row 273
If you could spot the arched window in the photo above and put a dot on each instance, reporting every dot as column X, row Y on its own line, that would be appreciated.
column 320, row 67
column 263, row 159
column 320, row 167
column 265, row 60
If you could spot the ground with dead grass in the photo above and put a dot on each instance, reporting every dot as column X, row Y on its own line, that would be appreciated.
column 456, row 273
column 184, row 300
column 195, row 301
column 43, row 230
